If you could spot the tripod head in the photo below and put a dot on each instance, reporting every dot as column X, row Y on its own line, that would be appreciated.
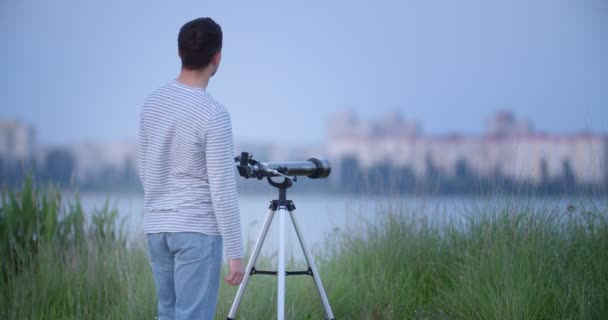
column 250, row 168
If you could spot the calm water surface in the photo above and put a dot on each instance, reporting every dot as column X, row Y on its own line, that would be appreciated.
column 321, row 216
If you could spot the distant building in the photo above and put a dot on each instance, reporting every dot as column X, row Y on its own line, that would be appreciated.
column 510, row 148
column 346, row 125
column 17, row 151
column 504, row 124
column 17, row 141
column 94, row 158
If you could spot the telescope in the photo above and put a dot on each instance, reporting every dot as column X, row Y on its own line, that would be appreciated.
column 250, row 168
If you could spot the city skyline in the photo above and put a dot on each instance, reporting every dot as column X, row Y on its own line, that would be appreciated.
column 509, row 145
column 79, row 72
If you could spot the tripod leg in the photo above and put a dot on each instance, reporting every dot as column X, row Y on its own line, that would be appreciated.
column 252, row 260
column 281, row 270
column 311, row 264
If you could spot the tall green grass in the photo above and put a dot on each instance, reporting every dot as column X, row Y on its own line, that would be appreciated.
column 510, row 261
column 58, row 265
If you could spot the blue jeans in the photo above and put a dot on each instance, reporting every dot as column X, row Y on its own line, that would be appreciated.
column 186, row 268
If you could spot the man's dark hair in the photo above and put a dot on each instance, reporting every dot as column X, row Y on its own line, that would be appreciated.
column 198, row 41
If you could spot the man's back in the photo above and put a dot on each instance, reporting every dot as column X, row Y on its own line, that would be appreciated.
column 186, row 165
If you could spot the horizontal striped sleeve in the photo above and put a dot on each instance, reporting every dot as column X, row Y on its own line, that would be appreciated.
column 219, row 155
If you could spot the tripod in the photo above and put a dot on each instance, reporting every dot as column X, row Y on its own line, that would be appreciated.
column 280, row 207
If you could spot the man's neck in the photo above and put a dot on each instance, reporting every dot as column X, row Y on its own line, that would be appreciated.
column 194, row 78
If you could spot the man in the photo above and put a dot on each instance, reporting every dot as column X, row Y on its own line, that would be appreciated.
column 187, row 172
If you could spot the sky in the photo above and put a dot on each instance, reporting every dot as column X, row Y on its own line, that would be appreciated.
column 78, row 71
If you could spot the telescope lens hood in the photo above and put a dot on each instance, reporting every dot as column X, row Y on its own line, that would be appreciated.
column 323, row 168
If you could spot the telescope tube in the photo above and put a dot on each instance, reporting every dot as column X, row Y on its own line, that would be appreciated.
column 313, row 168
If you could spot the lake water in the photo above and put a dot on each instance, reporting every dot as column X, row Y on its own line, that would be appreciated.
column 321, row 216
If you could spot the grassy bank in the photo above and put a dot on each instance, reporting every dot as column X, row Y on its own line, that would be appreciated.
column 506, row 262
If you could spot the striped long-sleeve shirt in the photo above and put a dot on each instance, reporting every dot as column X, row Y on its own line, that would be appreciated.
column 187, row 165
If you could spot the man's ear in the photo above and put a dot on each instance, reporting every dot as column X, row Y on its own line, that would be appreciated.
column 217, row 58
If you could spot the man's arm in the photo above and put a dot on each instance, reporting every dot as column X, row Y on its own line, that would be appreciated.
column 219, row 155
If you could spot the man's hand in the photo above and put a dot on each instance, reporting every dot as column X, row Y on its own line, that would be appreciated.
column 237, row 271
